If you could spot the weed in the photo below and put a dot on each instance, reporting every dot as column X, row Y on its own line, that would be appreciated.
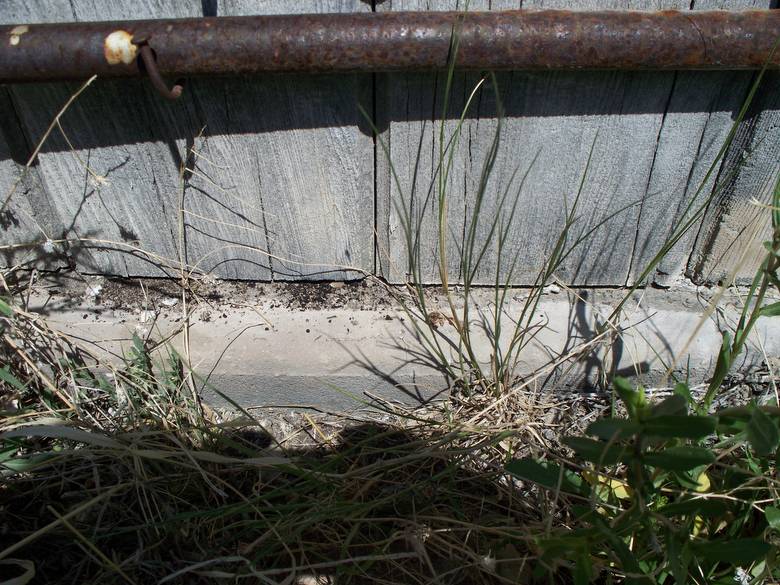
column 667, row 495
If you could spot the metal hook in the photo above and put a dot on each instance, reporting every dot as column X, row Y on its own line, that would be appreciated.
column 150, row 64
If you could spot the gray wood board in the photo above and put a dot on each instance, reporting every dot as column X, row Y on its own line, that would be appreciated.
column 281, row 181
column 297, row 149
column 702, row 110
column 116, row 190
column 283, row 172
column 729, row 243
column 554, row 119
column 28, row 219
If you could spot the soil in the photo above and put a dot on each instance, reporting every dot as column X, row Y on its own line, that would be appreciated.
column 367, row 294
column 129, row 294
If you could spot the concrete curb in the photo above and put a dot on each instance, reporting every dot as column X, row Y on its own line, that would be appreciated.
column 258, row 348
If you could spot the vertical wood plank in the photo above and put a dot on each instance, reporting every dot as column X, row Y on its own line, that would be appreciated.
column 410, row 115
column 701, row 112
column 114, row 180
column 283, row 177
column 296, row 149
column 29, row 215
column 281, row 181
column 556, row 117
column 28, row 218
column 567, row 120
column 653, row 137
column 729, row 239
column 737, row 222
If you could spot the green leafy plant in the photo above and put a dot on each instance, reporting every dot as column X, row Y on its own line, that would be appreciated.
column 672, row 493
column 664, row 495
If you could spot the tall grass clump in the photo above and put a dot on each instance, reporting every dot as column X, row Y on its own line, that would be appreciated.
column 671, row 492
column 487, row 228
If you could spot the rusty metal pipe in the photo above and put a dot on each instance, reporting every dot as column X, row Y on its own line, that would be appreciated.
column 532, row 40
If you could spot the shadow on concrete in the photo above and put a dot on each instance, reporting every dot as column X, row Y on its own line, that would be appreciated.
column 422, row 378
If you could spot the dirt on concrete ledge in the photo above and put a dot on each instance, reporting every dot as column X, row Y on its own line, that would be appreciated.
column 369, row 294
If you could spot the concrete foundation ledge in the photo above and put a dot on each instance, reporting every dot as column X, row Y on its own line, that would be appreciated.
column 334, row 345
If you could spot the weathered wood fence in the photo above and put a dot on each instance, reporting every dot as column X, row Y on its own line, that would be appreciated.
column 286, row 181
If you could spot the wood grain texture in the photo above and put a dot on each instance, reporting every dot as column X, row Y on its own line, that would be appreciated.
column 282, row 183
column 410, row 113
column 28, row 218
column 294, row 149
column 281, row 170
column 555, row 118
column 729, row 243
column 651, row 134
column 701, row 112
column 114, row 180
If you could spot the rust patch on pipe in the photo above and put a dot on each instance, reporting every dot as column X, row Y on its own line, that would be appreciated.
column 399, row 41
column 119, row 48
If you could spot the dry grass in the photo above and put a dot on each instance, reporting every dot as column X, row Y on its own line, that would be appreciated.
column 130, row 480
